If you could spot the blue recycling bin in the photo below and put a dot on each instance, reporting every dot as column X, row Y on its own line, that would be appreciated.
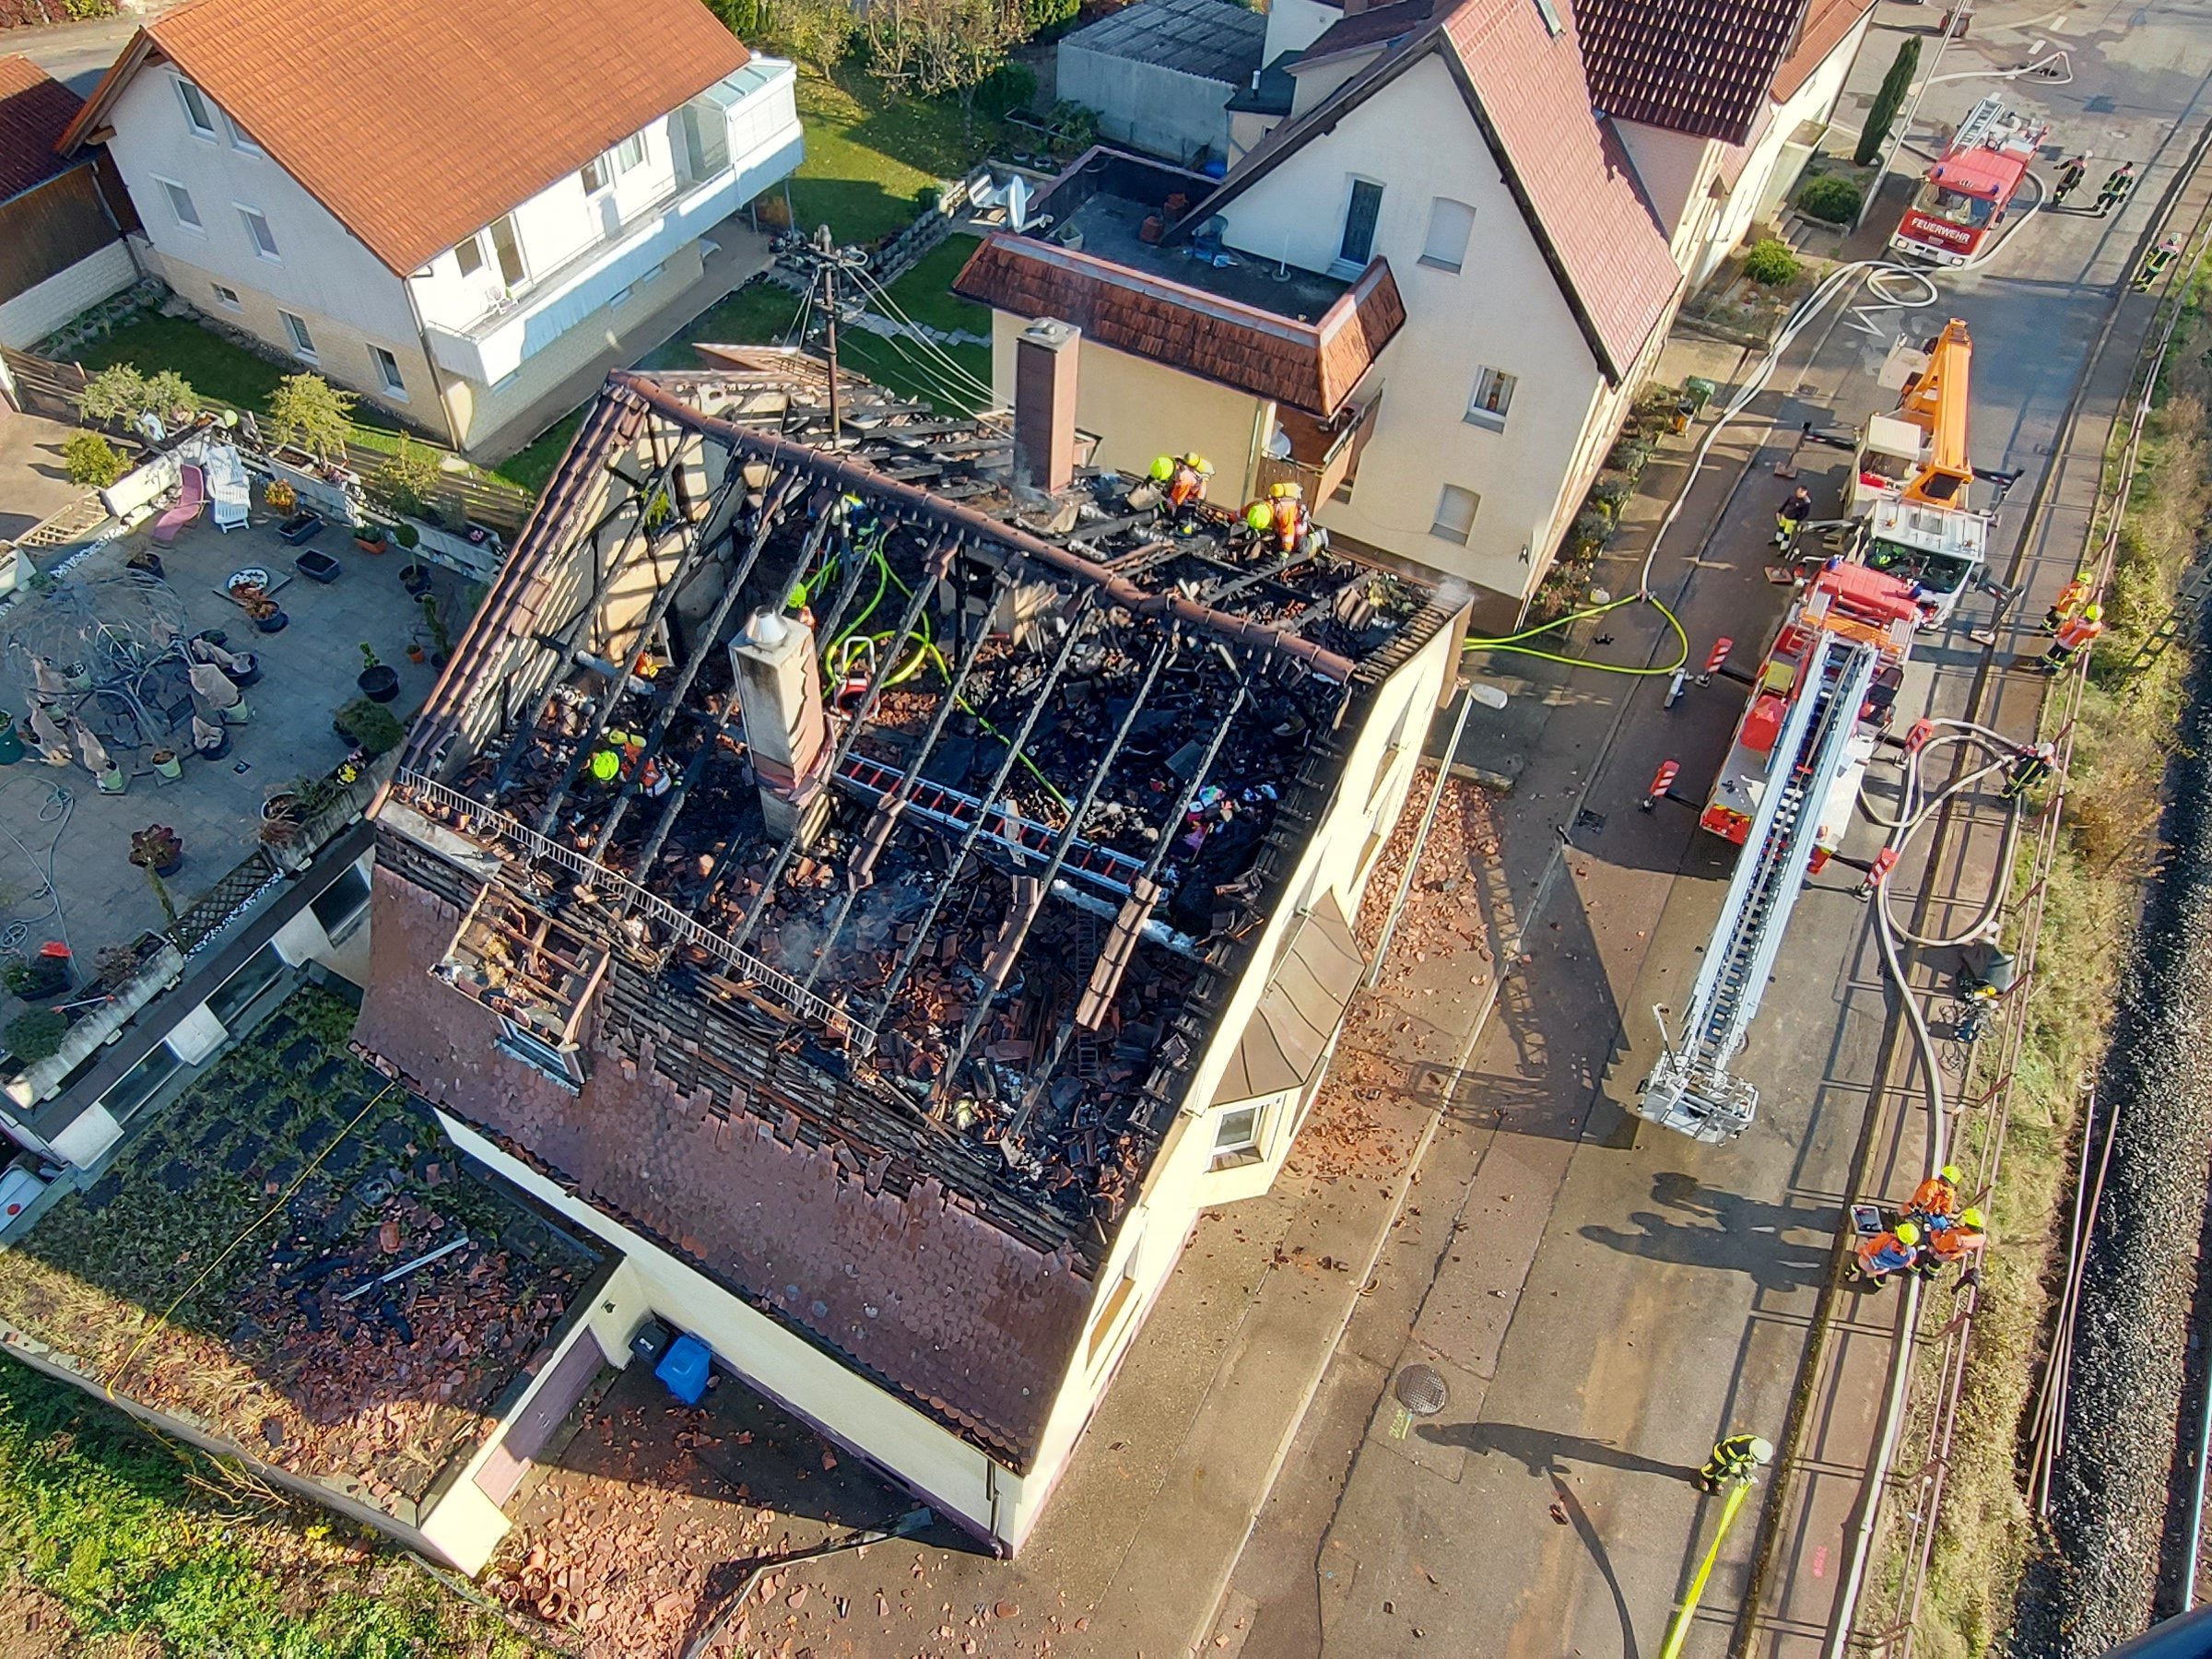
column 684, row 1369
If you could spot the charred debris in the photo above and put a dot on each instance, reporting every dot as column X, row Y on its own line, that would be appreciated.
column 960, row 798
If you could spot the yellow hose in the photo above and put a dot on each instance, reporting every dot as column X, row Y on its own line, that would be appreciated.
column 1679, row 1632
column 1510, row 643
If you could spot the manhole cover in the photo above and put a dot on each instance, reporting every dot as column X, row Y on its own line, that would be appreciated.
column 1422, row 1390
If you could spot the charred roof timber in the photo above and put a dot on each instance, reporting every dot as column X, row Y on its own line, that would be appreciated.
column 950, row 801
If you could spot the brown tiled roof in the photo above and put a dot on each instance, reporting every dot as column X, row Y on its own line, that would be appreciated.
column 1828, row 23
column 974, row 1326
column 35, row 110
column 1373, row 27
column 1697, row 67
column 417, row 122
column 1312, row 366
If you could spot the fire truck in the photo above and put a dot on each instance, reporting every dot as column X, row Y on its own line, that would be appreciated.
column 1784, row 794
column 1965, row 194
column 1910, row 477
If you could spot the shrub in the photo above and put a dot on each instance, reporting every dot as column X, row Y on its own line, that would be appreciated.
column 36, row 1035
column 1629, row 455
column 116, row 393
column 371, row 725
column 92, row 460
column 1009, row 86
column 928, row 196
column 1591, row 530
column 407, row 483
column 1888, row 97
column 1771, row 262
column 406, row 535
column 307, row 410
column 1830, row 199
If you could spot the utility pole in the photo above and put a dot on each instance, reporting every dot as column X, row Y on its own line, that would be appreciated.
column 826, row 259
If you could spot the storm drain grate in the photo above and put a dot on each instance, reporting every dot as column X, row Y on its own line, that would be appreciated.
column 1422, row 1390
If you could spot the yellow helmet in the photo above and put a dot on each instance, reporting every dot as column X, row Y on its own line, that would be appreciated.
column 1970, row 1217
column 1952, row 1173
column 1162, row 468
column 1907, row 1233
column 1257, row 515
column 1199, row 464
column 2092, row 612
column 1286, row 492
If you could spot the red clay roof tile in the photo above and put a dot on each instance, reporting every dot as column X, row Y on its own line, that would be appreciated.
column 1697, row 67
column 35, row 110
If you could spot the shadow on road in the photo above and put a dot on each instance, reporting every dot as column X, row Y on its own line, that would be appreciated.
column 1541, row 1452
column 1572, row 1507
column 1729, row 1231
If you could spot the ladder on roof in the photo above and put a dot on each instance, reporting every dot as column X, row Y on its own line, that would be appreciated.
column 1689, row 1089
column 1025, row 838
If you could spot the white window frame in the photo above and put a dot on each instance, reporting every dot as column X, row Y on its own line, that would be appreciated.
column 170, row 191
column 601, row 168
column 526, row 1046
column 200, row 122
column 1442, row 528
column 387, row 370
column 1245, row 1148
column 1454, row 261
column 629, row 153
column 1342, row 266
column 1115, row 1307
column 1492, row 401
column 514, row 285
column 246, row 217
column 239, row 137
column 301, row 336
column 227, row 297
column 475, row 245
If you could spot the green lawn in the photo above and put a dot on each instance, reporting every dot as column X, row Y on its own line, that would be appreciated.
column 926, row 292
column 869, row 151
column 219, row 371
column 532, row 466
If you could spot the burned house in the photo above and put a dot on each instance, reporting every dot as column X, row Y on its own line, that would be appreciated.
column 883, row 887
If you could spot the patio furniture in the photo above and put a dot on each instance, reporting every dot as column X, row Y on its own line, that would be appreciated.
column 228, row 488
column 189, row 505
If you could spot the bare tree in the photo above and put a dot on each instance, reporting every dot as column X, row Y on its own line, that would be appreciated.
column 936, row 47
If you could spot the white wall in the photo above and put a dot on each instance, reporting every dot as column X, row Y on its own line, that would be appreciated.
column 1159, row 110
column 320, row 267
column 1294, row 25
column 40, row 309
column 1675, row 169
column 1502, row 309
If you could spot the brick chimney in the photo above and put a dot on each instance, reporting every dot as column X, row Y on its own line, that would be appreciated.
column 1352, row 8
column 1044, row 406
column 786, row 732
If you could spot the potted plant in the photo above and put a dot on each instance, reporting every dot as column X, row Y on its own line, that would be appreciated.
column 210, row 739
column 147, row 562
column 416, row 653
column 378, row 683
column 167, row 763
column 442, row 646
column 414, row 576
column 283, row 804
column 157, row 848
column 36, row 1035
column 371, row 727
column 369, row 536
column 37, row 979
column 11, row 740
column 280, row 496
column 260, row 608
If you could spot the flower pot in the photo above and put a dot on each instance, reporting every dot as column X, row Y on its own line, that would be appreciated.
column 168, row 764
column 165, row 870
column 415, row 654
column 283, row 804
column 11, row 741
column 247, row 672
column 301, row 527
column 150, row 561
column 416, row 579
column 317, row 566
column 368, row 547
column 218, row 749
column 112, row 782
column 379, row 684
column 272, row 624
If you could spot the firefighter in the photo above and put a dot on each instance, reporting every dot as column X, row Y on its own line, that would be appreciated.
column 2117, row 183
column 606, row 760
column 2076, row 634
column 1734, row 1461
column 1182, row 483
column 1788, row 518
column 2029, row 766
column 1284, row 518
column 1936, row 1200
column 1889, row 1251
column 2070, row 176
column 1957, row 1243
column 2071, row 598
column 2155, row 264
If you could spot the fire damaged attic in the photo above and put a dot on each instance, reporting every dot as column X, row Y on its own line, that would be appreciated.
column 849, row 842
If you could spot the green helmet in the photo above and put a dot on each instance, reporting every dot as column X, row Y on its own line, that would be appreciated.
column 797, row 601
column 1257, row 515
column 1970, row 1218
column 1952, row 1173
column 605, row 765
column 1163, row 468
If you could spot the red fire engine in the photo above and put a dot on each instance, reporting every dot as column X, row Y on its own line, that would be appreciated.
column 1965, row 196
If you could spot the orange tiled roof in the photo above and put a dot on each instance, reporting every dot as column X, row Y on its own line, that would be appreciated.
column 1826, row 24
column 1695, row 66
column 35, row 108
column 1311, row 366
column 417, row 122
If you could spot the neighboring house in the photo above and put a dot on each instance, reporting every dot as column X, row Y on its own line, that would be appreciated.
column 1508, row 289
column 1161, row 73
column 902, row 1095
column 1512, row 269
column 61, row 223
column 1720, row 103
column 450, row 209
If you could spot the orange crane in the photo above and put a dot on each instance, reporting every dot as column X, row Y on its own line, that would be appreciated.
column 1912, row 478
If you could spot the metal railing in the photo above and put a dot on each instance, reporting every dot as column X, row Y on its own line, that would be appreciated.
column 416, row 789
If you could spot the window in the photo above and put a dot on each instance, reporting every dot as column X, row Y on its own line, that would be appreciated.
column 1493, row 396
column 228, row 297
column 629, row 153
column 1455, row 514
column 238, row 136
column 1237, row 1135
column 233, row 996
column 620, row 297
column 1550, row 14
column 595, row 175
column 1449, row 225
column 1117, row 1301
column 197, row 116
column 604, row 168
column 387, row 370
column 534, row 1052
column 258, row 231
column 469, row 256
column 509, row 248
column 180, row 204
column 303, row 342
column 1360, row 216
column 342, row 904
column 137, row 1086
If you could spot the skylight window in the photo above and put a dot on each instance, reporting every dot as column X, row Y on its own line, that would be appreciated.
column 1550, row 14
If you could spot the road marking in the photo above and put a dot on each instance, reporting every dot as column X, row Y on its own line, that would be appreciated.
column 1820, row 1563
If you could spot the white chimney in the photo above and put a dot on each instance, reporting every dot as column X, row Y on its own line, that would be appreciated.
column 786, row 730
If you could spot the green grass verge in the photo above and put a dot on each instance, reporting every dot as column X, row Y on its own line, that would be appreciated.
column 149, row 1548
column 869, row 151
column 2127, row 731
column 530, row 468
column 925, row 294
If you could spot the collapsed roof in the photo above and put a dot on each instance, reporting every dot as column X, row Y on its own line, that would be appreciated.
column 976, row 938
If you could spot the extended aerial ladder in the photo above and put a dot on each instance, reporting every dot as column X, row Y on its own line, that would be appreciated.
column 1799, row 754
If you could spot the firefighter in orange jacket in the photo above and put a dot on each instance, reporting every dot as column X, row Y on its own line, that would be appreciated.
column 2076, row 634
column 1283, row 518
column 1959, row 1242
column 1181, row 480
column 2071, row 598
column 1936, row 1200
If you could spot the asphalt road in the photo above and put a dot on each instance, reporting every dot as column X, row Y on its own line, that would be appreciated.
column 1605, row 1298
column 78, row 54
